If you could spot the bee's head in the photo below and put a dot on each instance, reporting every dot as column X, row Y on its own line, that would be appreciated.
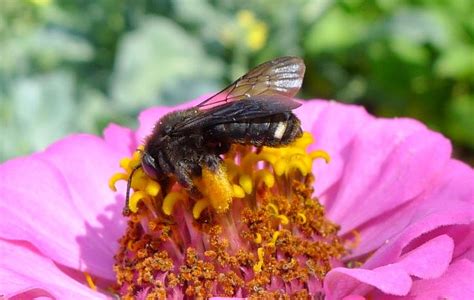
column 149, row 166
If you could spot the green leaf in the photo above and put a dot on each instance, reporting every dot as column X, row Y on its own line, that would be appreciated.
column 157, row 55
column 456, row 62
column 39, row 111
column 336, row 30
column 461, row 120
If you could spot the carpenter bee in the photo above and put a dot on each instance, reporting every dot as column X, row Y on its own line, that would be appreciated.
column 255, row 110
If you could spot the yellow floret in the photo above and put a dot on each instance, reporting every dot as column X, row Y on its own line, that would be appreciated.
column 246, row 183
column 170, row 200
column 243, row 171
column 199, row 207
column 116, row 177
column 133, row 203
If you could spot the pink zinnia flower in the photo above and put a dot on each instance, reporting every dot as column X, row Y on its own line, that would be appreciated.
column 401, row 214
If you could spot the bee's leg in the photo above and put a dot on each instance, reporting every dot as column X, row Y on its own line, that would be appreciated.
column 213, row 162
column 165, row 185
column 183, row 172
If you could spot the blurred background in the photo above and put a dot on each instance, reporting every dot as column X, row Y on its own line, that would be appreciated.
column 76, row 65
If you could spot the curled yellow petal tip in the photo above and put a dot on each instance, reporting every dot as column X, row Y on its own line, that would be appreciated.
column 321, row 154
column 258, row 238
column 266, row 177
column 134, row 199
column 152, row 188
column 301, row 218
column 298, row 165
column 199, row 206
column 125, row 163
column 246, row 183
column 170, row 200
column 273, row 208
column 275, row 236
column 280, row 166
column 116, row 177
column 238, row 191
column 258, row 266
column 283, row 219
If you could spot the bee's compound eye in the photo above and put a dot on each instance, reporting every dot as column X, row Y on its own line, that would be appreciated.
column 149, row 166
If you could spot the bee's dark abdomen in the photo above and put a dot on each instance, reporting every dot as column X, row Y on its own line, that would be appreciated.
column 277, row 130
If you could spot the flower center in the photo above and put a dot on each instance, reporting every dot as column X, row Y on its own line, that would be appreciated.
column 257, row 230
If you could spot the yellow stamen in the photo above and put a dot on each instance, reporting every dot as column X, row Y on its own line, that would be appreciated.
column 273, row 208
column 275, row 236
column 170, row 200
column 152, row 188
column 258, row 238
column 304, row 141
column 125, row 163
column 199, row 207
column 266, row 177
column 283, row 219
column 137, row 155
column 301, row 162
column 90, row 282
column 134, row 199
column 238, row 191
column 140, row 180
column 258, row 266
column 320, row 154
column 280, row 166
column 116, row 177
column 246, row 183
column 301, row 218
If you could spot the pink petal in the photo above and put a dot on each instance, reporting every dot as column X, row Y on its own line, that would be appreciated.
column 333, row 126
column 26, row 274
column 353, row 297
column 122, row 139
column 390, row 162
column 390, row 279
column 456, row 283
column 429, row 260
column 392, row 233
column 60, row 202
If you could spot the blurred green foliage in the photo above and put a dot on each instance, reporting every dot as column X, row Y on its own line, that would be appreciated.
column 76, row 65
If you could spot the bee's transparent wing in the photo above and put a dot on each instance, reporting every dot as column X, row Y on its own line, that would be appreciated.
column 281, row 76
column 238, row 111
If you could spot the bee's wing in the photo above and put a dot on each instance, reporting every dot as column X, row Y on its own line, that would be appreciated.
column 281, row 76
column 238, row 111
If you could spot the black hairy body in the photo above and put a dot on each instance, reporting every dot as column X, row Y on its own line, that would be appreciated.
column 254, row 110
column 182, row 155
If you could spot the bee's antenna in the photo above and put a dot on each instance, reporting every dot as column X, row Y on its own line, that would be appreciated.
column 126, row 209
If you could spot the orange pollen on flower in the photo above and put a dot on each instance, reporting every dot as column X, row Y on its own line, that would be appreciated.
column 257, row 223
column 90, row 282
